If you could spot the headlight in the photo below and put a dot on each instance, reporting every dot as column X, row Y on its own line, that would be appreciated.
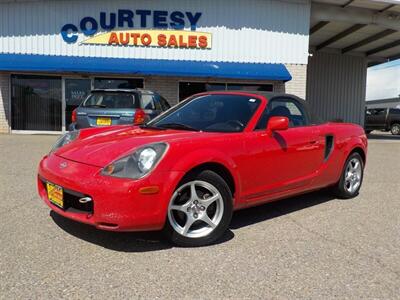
column 138, row 164
column 65, row 139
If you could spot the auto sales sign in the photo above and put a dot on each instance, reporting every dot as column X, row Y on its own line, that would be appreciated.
column 131, row 28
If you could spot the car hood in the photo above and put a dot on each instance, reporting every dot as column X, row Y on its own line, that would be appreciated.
column 101, row 148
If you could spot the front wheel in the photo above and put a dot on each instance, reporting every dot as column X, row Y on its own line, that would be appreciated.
column 352, row 176
column 200, row 210
column 395, row 129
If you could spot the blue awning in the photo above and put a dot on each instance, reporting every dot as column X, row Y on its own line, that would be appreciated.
column 144, row 67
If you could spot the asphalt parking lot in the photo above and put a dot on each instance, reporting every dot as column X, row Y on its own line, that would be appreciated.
column 313, row 246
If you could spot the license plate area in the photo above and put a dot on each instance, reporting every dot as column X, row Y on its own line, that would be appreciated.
column 55, row 194
column 103, row 121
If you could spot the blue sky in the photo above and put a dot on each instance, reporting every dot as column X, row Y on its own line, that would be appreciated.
column 383, row 81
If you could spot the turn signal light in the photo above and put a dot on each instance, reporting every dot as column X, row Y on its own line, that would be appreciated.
column 73, row 118
column 149, row 190
column 140, row 117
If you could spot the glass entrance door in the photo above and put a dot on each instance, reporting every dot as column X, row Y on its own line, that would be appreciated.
column 36, row 103
column 76, row 90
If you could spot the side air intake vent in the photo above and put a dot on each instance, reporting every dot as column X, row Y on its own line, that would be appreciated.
column 329, row 143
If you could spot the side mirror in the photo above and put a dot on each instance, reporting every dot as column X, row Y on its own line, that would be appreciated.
column 277, row 124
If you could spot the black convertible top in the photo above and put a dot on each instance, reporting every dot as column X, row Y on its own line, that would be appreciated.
column 268, row 95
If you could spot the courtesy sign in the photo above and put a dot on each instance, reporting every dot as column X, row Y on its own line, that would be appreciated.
column 153, row 38
column 139, row 28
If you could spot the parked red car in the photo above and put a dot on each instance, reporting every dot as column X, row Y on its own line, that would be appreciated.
column 187, row 170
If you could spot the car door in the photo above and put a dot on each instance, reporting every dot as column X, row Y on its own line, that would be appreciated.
column 368, row 119
column 285, row 160
column 376, row 118
column 393, row 117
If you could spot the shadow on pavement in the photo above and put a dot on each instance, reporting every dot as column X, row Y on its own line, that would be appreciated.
column 383, row 136
column 278, row 208
column 120, row 241
column 155, row 241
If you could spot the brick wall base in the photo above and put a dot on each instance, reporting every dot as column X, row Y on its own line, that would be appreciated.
column 165, row 86
column 4, row 103
column 297, row 86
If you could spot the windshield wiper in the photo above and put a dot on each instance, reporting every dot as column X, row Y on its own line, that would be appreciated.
column 178, row 126
column 145, row 126
column 96, row 105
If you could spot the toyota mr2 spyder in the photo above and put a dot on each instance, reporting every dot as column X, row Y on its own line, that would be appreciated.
column 188, row 169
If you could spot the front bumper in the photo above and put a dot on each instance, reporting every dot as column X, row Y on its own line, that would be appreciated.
column 117, row 203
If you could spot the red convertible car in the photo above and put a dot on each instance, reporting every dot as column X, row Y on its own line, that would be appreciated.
column 188, row 169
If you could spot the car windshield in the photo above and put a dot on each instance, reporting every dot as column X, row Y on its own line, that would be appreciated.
column 112, row 100
column 213, row 113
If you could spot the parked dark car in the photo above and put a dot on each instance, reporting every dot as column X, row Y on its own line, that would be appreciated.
column 107, row 107
column 386, row 119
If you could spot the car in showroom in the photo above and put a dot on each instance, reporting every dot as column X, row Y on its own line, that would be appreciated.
column 187, row 170
column 106, row 107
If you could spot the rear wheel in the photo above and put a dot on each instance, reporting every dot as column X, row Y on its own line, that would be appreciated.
column 200, row 210
column 352, row 176
column 395, row 129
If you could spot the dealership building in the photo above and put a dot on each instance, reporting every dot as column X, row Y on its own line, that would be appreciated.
column 53, row 52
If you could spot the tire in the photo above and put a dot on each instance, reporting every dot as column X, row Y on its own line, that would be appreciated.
column 395, row 129
column 199, row 220
column 349, row 184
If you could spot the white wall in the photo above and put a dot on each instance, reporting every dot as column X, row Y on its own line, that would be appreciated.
column 264, row 31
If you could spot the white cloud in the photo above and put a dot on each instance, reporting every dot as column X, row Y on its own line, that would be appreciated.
column 383, row 83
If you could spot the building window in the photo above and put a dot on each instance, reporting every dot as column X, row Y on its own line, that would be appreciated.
column 187, row 89
column 36, row 103
column 117, row 83
column 76, row 90
column 250, row 87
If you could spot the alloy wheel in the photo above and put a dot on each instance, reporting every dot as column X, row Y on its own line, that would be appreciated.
column 196, row 209
column 396, row 129
column 353, row 175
